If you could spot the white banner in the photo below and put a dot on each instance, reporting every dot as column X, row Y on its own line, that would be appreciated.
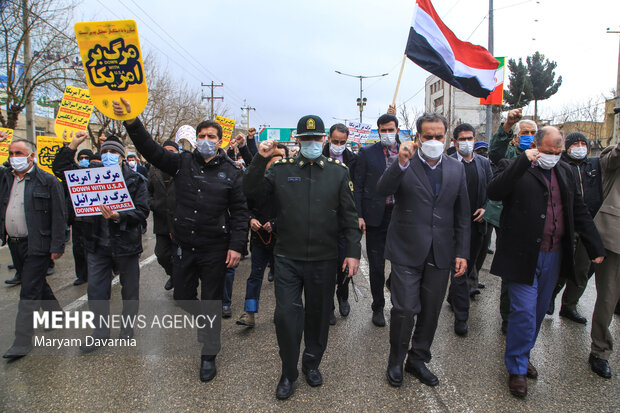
column 359, row 132
column 92, row 187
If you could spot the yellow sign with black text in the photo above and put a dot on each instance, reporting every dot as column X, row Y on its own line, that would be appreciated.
column 227, row 128
column 47, row 146
column 4, row 146
column 113, row 65
column 74, row 112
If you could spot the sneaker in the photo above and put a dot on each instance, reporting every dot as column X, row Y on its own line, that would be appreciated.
column 226, row 311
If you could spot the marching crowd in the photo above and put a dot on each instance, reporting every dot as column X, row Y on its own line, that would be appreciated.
column 430, row 212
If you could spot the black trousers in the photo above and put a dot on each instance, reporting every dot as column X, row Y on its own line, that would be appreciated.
column 100, row 286
column 165, row 249
column 375, row 248
column 79, row 251
column 35, row 292
column 458, row 294
column 316, row 279
column 191, row 268
column 342, row 281
column 417, row 295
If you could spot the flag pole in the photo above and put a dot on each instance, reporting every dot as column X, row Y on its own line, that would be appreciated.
column 400, row 75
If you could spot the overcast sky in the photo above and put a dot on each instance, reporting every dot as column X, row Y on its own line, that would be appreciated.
column 281, row 55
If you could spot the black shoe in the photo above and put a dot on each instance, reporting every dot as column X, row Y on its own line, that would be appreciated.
column 551, row 308
column 378, row 318
column 343, row 307
column 460, row 327
column 573, row 315
column 79, row 281
column 270, row 276
column 207, row 369
column 422, row 372
column 168, row 286
column 617, row 310
column 600, row 366
column 226, row 311
column 474, row 293
column 490, row 251
column 284, row 389
column 388, row 284
column 395, row 375
column 16, row 280
column 90, row 347
column 11, row 266
column 313, row 376
column 126, row 333
column 481, row 286
column 50, row 271
column 504, row 327
column 332, row 318
column 16, row 351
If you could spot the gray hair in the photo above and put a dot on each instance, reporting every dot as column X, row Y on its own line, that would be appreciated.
column 544, row 131
column 518, row 125
column 28, row 144
column 430, row 117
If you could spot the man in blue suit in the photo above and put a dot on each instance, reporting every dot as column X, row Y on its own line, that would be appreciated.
column 375, row 210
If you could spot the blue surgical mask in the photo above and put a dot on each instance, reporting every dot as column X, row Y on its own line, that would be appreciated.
column 206, row 147
column 109, row 159
column 311, row 149
column 84, row 163
column 526, row 141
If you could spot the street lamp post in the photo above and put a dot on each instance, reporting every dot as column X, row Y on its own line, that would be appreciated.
column 361, row 101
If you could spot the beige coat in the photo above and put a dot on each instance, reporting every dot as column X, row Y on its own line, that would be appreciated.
column 607, row 219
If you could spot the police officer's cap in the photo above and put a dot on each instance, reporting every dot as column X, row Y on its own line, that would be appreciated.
column 310, row 125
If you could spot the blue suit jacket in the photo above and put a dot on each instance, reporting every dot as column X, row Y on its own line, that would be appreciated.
column 368, row 169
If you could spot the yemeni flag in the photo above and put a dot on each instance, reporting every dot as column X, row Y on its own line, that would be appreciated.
column 497, row 96
column 435, row 48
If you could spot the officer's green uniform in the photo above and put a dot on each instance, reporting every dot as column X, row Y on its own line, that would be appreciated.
column 312, row 200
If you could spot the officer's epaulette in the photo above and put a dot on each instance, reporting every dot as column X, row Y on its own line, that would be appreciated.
column 283, row 161
column 337, row 162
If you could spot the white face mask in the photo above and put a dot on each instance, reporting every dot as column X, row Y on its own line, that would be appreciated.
column 432, row 149
column 578, row 152
column 547, row 161
column 132, row 164
column 466, row 147
column 337, row 149
column 19, row 163
column 388, row 138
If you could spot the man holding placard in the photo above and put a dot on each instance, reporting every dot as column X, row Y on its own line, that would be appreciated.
column 32, row 222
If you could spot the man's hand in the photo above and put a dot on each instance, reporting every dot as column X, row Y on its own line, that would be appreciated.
column 255, row 224
column 514, row 116
column 240, row 140
column 232, row 258
column 406, row 152
column 353, row 264
column 532, row 154
column 77, row 140
column 478, row 214
column 119, row 111
column 107, row 213
column 598, row 260
column 460, row 266
column 362, row 224
column 267, row 227
column 55, row 255
column 392, row 110
column 267, row 148
column 3, row 136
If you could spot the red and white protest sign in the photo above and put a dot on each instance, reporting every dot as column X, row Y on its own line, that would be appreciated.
column 89, row 188
column 359, row 132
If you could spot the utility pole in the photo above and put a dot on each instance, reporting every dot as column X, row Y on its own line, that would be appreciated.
column 489, row 108
column 247, row 113
column 212, row 98
column 361, row 101
column 616, row 132
column 30, row 125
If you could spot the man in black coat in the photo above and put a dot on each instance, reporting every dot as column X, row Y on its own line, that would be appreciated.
column 32, row 221
column 163, row 201
column 587, row 173
column 210, row 220
column 336, row 148
column 542, row 211
column 427, row 237
column 375, row 210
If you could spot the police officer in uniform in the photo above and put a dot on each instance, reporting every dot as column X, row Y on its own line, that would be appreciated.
column 313, row 198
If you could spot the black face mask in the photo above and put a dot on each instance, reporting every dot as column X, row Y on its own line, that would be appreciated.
column 484, row 154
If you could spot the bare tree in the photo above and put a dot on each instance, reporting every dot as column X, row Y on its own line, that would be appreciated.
column 585, row 117
column 408, row 117
column 55, row 58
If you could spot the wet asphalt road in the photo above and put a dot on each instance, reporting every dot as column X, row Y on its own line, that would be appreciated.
column 471, row 369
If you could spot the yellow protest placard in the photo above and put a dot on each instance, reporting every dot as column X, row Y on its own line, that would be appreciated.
column 74, row 111
column 227, row 127
column 47, row 146
column 4, row 146
column 113, row 65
